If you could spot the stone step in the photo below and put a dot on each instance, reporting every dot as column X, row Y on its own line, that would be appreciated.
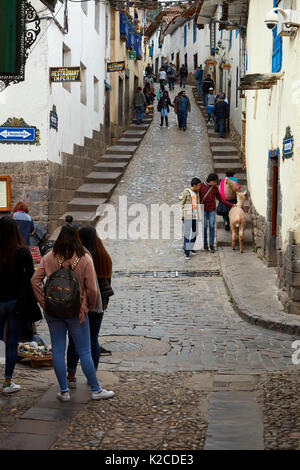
column 226, row 159
column 144, row 121
column 228, row 166
column 224, row 150
column 103, row 177
column 217, row 141
column 136, row 127
column 121, row 149
column 85, row 204
column 111, row 166
column 225, row 239
column 80, row 218
column 95, row 190
column 129, row 141
column 134, row 134
column 115, row 158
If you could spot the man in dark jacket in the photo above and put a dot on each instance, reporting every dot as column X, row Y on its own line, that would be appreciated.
column 221, row 113
column 182, row 107
column 183, row 74
column 207, row 84
column 140, row 104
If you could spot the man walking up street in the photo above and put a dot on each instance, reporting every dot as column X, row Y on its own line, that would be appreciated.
column 182, row 107
column 183, row 74
column 190, row 212
column 199, row 79
column 140, row 104
column 208, row 193
column 162, row 78
column 211, row 101
column 207, row 84
column 221, row 114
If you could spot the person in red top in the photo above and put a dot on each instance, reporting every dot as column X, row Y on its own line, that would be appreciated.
column 208, row 193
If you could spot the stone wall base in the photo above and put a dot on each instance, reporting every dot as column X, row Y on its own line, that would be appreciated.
column 47, row 187
column 289, row 277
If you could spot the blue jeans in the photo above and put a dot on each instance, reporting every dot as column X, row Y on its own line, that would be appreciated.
column 220, row 126
column 190, row 234
column 8, row 316
column 81, row 336
column 199, row 86
column 95, row 320
column 205, row 98
column 164, row 112
column 140, row 113
column 182, row 115
column 209, row 219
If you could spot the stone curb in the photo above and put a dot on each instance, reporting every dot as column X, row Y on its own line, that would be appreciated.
column 249, row 316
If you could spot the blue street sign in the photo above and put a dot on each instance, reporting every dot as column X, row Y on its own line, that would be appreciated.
column 17, row 134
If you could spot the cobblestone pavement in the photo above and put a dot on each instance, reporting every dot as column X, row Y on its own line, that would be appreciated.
column 182, row 359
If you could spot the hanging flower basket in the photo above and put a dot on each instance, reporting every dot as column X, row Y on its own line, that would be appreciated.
column 226, row 66
column 211, row 62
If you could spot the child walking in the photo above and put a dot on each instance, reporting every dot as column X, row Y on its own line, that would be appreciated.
column 163, row 107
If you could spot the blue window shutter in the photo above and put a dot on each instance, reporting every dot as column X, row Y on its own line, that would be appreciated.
column 277, row 47
column 195, row 33
column 184, row 33
column 230, row 40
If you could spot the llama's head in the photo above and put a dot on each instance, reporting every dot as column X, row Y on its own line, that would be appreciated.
column 241, row 197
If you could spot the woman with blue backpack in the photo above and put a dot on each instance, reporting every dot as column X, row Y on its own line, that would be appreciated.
column 70, row 292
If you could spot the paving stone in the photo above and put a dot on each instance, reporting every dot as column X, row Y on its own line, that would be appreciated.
column 49, row 414
column 19, row 441
column 34, row 426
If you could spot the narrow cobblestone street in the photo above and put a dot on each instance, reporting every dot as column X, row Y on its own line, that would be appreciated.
column 187, row 371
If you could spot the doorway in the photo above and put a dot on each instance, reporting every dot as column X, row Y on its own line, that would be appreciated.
column 195, row 61
column 120, row 103
column 127, row 106
column 107, row 117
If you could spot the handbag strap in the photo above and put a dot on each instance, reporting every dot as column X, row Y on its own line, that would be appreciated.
column 206, row 194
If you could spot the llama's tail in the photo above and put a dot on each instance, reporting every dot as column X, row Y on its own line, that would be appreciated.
column 237, row 225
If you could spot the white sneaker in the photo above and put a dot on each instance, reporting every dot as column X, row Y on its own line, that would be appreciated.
column 103, row 394
column 10, row 388
column 65, row 396
column 72, row 383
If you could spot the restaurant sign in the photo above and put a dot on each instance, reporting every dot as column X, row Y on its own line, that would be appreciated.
column 116, row 66
column 65, row 74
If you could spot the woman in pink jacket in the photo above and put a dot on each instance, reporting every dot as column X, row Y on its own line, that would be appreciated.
column 68, row 247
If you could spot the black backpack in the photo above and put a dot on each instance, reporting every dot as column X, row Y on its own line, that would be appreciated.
column 62, row 292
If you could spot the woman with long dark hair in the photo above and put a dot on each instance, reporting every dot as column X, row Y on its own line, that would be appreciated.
column 17, row 302
column 68, row 252
column 103, row 268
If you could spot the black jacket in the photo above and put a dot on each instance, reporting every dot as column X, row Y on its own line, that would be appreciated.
column 221, row 110
column 160, row 104
column 183, row 72
column 207, row 84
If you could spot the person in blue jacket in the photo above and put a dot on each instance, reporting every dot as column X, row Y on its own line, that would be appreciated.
column 199, row 79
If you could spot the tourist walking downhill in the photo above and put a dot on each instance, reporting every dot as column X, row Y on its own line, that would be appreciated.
column 24, row 221
column 164, row 107
column 207, row 84
column 199, row 79
column 221, row 114
column 140, row 104
column 69, row 253
column 190, row 213
column 183, row 73
column 182, row 108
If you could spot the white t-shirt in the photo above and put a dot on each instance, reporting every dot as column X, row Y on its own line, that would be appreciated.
column 162, row 75
column 194, row 203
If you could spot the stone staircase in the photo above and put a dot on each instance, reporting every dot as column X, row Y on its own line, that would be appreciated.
column 88, row 204
column 226, row 158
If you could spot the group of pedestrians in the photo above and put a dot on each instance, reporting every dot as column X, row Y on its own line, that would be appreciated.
column 202, row 196
column 72, row 286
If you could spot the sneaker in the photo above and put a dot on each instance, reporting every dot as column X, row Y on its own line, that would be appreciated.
column 103, row 395
column 205, row 247
column 105, row 352
column 72, row 383
column 65, row 396
column 10, row 388
column 212, row 250
column 187, row 257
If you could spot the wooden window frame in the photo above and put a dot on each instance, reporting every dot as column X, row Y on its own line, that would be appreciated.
column 7, row 179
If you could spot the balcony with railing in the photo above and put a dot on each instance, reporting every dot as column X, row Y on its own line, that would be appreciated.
column 124, row 26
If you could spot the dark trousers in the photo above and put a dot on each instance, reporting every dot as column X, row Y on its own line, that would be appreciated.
column 8, row 316
column 171, row 83
column 182, row 82
column 182, row 115
column 220, row 126
column 95, row 320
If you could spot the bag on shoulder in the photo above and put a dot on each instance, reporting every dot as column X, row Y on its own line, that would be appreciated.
column 222, row 209
column 62, row 292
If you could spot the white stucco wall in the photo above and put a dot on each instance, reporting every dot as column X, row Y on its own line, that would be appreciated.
column 33, row 99
column 276, row 110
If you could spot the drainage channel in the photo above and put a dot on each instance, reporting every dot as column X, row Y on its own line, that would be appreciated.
column 166, row 274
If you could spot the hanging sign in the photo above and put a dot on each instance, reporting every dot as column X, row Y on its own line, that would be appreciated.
column 53, row 119
column 5, row 193
column 16, row 131
column 65, row 74
column 116, row 66
column 288, row 145
column 132, row 55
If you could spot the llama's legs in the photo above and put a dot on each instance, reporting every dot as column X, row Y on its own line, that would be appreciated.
column 241, row 239
column 234, row 237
